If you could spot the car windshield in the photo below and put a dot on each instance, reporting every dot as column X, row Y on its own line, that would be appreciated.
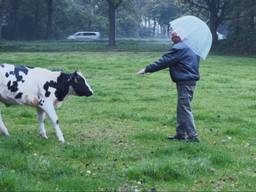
column 89, row 34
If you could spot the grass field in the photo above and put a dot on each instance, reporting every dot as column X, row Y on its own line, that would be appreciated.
column 115, row 140
column 99, row 45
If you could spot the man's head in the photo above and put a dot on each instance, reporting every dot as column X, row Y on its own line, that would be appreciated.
column 175, row 37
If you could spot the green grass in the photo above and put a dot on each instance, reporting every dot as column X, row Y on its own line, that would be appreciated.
column 99, row 45
column 115, row 140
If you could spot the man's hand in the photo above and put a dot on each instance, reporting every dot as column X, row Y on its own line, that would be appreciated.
column 141, row 72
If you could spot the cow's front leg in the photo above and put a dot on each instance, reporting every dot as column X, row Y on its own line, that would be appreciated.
column 41, row 119
column 50, row 111
column 3, row 129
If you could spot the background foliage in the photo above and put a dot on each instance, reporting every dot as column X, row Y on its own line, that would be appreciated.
column 56, row 19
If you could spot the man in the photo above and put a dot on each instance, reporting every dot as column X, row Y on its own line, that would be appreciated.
column 183, row 65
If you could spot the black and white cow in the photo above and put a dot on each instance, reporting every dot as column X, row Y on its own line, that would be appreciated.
column 39, row 88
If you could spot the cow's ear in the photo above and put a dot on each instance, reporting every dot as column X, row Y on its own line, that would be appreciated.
column 75, row 74
column 74, row 77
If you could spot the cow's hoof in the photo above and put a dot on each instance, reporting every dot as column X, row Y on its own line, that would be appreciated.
column 6, row 134
column 61, row 138
column 44, row 136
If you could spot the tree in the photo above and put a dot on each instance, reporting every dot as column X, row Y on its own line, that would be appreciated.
column 49, row 18
column 243, row 16
column 113, row 5
column 214, row 11
column 242, row 27
column 15, row 6
column 36, row 14
column 129, row 19
column 56, row 19
column 167, row 12
column 3, row 15
column 161, row 13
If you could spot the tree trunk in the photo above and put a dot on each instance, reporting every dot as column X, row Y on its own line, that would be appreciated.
column 15, row 19
column 213, row 21
column 213, row 28
column 237, row 24
column 92, row 15
column 162, row 30
column 112, row 25
column 149, row 24
column 49, row 19
column 252, row 16
column 154, row 28
column 0, row 31
column 168, row 29
column 36, row 22
column 144, row 20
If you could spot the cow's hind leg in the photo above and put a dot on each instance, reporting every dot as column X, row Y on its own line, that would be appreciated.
column 41, row 119
column 3, row 129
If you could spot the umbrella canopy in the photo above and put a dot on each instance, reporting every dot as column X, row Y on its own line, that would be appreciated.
column 194, row 33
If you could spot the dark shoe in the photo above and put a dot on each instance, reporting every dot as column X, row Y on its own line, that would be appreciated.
column 177, row 138
column 193, row 140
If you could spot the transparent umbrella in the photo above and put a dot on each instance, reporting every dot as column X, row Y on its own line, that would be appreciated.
column 195, row 34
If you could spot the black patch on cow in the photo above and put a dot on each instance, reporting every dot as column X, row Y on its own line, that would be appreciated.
column 30, row 67
column 2, row 65
column 19, row 69
column 46, row 87
column 41, row 102
column 19, row 95
column 61, row 86
column 13, row 86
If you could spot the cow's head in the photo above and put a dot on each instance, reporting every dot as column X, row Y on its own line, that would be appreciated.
column 80, row 85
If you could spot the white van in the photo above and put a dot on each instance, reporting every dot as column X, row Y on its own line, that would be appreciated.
column 80, row 36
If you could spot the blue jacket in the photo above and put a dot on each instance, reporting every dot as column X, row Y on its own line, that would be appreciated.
column 183, row 64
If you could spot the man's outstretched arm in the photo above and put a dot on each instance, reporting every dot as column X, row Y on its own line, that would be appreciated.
column 163, row 62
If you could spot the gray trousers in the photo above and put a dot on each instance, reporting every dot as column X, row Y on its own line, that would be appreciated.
column 185, row 125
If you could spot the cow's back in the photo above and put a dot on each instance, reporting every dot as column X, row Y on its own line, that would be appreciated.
column 18, row 82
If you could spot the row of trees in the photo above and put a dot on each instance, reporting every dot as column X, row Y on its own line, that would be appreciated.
column 55, row 19
column 26, row 19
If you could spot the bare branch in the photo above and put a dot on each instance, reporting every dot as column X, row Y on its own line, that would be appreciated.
column 196, row 4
